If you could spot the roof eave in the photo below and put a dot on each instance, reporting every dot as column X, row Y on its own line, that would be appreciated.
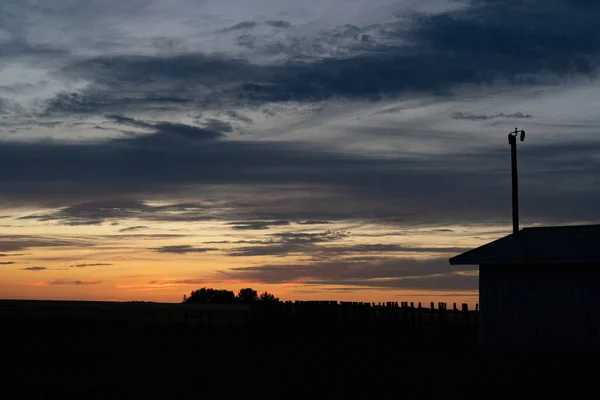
column 524, row 262
column 463, row 263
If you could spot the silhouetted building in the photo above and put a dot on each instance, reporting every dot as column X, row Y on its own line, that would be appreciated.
column 539, row 289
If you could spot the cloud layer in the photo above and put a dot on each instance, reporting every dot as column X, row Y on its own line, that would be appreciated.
column 382, row 274
column 265, row 121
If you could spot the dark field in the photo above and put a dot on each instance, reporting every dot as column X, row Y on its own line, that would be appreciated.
column 45, row 358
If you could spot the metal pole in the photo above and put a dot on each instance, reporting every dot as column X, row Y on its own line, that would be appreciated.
column 515, row 183
column 512, row 139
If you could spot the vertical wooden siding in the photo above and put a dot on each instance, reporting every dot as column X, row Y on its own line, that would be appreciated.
column 543, row 308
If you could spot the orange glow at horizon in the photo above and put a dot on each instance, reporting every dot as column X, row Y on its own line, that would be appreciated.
column 99, row 263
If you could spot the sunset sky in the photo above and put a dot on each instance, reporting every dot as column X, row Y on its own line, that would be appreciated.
column 330, row 149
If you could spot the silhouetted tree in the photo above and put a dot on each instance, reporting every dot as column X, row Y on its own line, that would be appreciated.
column 266, row 296
column 247, row 295
column 208, row 295
column 215, row 296
column 224, row 297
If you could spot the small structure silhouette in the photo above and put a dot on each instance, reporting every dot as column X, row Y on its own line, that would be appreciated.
column 539, row 289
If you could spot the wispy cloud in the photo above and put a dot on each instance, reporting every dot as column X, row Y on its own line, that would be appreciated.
column 166, row 283
column 75, row 282
column 89, row 265
column 483, row 117
column 184, row 249
column 286, row 243
column 257, row 225
column 383, row 273
column 62, row 282
column 133, row 228
column 35, row 269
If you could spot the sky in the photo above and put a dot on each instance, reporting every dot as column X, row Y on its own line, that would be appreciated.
column 318, row 150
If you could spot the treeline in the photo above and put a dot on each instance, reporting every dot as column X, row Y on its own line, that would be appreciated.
column 218, row 296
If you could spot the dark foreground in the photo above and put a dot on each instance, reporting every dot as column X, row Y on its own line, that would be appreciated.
column 168, row 362
column 96, row 350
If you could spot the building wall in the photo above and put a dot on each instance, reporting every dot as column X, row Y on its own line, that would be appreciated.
column 539, row 308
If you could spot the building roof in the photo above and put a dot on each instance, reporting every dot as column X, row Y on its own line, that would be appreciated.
column 578, row 244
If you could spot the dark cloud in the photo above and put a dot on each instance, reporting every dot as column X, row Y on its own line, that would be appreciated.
column 441, row 282
column 257, row 225
column 278, row 24
column 89, row 265
column 100, row 211
column 407, row 189
column 93, row 213
column 276, row 250
column 238, row 116
column 133, row 228
column 483, row 117
column 310, row 238
column 183, row 249
column 317, row 247
column 151, row 82
column 216, row 125
column 485, row 36
column 246, row 25
column 21, row 242
column 107, row 100
column 287, row 243
column 241, row 25
column 7, row 262
column 35, row 269
column 23, row 50
column 384, row 274
column 3, row 106
column 152, row 236
column 168, row 133
column 390, row 248
column 479, row 44
column 476, row 44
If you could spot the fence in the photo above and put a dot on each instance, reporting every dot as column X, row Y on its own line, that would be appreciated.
column 330, row 314
column 326, row 314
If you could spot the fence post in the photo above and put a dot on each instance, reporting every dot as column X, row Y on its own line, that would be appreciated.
column 454, row 314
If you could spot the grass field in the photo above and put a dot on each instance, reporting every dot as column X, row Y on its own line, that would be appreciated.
column 52, row 359
column 190, row 363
